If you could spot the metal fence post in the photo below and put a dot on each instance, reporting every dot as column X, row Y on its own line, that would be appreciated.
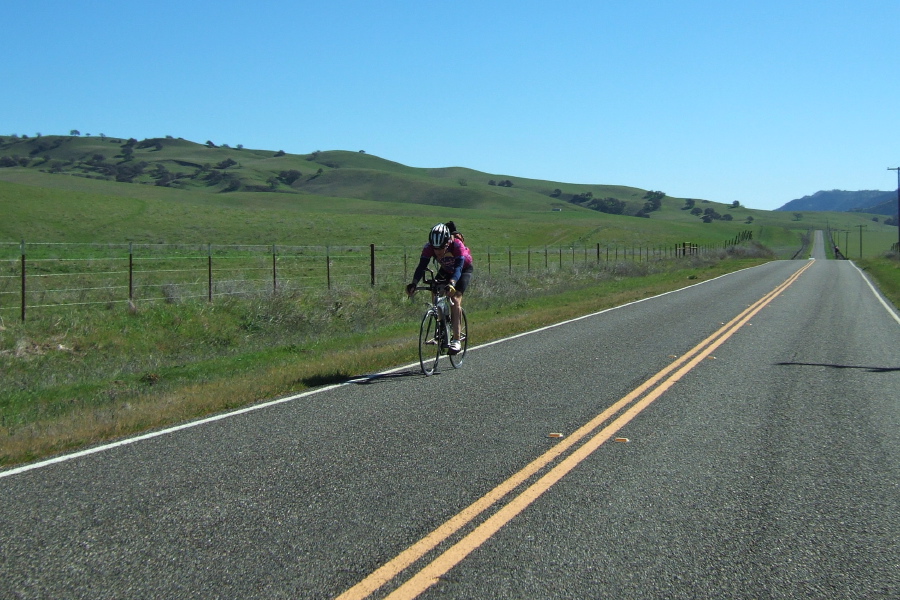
column 23, row 279
column 130, row 273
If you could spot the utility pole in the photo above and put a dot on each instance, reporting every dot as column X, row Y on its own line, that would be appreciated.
column 861, row 227
column 898, row 204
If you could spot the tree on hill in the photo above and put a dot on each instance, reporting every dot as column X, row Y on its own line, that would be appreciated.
column 610, row 206
column 234, row 184
column 162, row 175
column 653, row 201
column 74, row 132
column 581, row 198
column 153, row 143
column 710, row 215
column 289, row 177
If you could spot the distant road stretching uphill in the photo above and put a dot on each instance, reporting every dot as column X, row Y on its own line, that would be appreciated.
column 739, row 438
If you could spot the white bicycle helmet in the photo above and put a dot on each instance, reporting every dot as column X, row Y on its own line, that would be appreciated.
column 439, row 235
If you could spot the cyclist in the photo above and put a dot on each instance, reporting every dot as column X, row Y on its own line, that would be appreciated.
column 445, row 246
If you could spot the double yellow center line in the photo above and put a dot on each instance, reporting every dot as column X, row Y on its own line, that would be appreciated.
column 639, row 399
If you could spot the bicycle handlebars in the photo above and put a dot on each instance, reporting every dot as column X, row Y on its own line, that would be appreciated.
column 431, row 284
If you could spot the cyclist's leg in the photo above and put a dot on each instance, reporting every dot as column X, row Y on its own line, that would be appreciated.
column 456, row 310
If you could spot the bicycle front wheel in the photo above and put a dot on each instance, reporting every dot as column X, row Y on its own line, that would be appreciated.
column 430, row 342
column 456, row 359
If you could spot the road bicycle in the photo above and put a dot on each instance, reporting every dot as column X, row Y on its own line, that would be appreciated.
column 436, row 330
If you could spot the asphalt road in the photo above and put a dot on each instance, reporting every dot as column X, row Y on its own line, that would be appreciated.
column 762, row 461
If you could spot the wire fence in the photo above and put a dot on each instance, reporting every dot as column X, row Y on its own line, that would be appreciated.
column 38, row 275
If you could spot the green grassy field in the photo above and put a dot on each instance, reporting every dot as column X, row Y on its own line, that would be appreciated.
column 77, row 376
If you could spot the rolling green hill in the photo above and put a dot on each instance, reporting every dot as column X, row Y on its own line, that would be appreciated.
column 170, row 190
column 180, row 164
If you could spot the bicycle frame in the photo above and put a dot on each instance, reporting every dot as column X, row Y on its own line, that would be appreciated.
column 436, row 330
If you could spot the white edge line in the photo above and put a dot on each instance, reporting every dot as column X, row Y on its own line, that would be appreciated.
column 886, row 306
column 247, row 409
column 168, row 430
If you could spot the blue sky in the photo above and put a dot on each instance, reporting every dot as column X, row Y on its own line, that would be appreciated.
column 761, row 101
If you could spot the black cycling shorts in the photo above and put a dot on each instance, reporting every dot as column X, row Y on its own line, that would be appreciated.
column 464, row 279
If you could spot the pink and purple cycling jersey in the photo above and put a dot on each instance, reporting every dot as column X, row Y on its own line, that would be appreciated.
column 451, row 265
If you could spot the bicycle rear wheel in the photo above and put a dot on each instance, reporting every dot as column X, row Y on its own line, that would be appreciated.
column 430, row 339
column 457, row 359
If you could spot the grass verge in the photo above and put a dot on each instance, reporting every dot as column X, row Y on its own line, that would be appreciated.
column 80, row 379
column 885, row 270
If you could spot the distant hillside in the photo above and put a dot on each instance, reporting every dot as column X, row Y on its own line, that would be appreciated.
column 219, row 169
column 867, row 201
column 888, row 207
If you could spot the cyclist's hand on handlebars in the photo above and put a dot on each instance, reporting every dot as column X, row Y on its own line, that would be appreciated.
column 450, row 289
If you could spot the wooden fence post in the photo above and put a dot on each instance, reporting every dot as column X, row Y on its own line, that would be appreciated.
column 209, row 271
column 372, row 262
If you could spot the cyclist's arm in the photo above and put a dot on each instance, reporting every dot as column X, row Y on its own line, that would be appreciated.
column 457, row 269
column 420, row 270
